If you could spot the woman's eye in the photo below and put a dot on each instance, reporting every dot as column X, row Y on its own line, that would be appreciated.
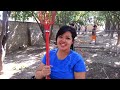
column 67, row 38
column 60, row 36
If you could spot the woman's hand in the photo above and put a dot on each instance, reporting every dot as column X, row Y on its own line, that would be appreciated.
column 42, row 71
column 46, row 70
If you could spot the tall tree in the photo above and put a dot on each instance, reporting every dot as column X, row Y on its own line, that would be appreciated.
column 112, row 23
column 3, row 37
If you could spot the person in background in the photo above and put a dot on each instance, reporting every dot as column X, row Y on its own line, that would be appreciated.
column 94, row 34
column 65, row 63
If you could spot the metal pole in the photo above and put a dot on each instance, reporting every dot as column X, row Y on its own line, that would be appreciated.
column 47, row 34
column 47, row 50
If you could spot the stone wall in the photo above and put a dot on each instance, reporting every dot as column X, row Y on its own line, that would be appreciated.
column 19, row 35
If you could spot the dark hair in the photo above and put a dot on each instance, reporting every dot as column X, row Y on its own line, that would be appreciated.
column 64, row 29
column 95, row 26
column 72, row 24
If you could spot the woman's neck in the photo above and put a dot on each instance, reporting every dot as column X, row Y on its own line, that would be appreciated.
column 62, row 54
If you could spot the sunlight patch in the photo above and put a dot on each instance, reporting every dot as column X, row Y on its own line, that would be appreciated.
column 11, row 68
column 94, row 55
column 89, row 61
column 117, row 63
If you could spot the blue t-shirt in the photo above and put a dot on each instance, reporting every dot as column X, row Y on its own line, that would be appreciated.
column 64, row 69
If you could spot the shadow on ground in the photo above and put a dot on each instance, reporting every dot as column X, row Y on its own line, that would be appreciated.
column 26, row 73
column 21, row 55
column 102, row 71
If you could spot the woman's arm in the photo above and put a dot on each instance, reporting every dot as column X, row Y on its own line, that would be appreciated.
column 79, row 75
column 42, row 71
column 38, row 73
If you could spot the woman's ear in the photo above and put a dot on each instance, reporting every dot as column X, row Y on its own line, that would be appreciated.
column 72, row 42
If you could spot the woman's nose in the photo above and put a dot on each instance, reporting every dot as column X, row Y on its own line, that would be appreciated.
column 63, row 39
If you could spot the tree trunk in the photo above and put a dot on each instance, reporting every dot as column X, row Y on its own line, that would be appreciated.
column 29, row 35
column 113, row 28
column 51, row 32
column 43, row 31
column 2, row 57
column 107, row 26
column 118, row 32
column 3, row 37
column 118, row 41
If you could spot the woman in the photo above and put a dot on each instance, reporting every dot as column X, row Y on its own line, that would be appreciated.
column 64, row 62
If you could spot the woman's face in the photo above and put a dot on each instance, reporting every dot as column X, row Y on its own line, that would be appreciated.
column 64, row 41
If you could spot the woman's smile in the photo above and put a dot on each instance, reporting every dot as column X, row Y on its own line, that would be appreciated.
column 63, row 44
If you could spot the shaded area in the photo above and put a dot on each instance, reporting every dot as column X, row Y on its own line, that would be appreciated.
column 26, row 73
column 102, row 71
column 24, row 55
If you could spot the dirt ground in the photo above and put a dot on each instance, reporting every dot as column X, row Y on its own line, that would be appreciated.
column 100, row 63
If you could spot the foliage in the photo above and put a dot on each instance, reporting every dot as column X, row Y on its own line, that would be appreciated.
column 21, row 15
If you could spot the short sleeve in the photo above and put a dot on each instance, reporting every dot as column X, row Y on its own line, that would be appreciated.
column 80, row 66
column 44, row 59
